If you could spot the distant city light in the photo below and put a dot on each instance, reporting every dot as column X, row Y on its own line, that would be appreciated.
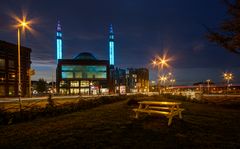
column 161, row 62
column 227, row 76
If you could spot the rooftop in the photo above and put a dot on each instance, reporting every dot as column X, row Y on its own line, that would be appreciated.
column 85, row 56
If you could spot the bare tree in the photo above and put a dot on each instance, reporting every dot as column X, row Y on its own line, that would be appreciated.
column 228, row 34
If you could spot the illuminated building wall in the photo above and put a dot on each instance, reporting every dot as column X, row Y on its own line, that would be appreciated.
column 84, row 72
column 59, row 41
column 111, row 45
column 137, row 80
column 83, row 75
column 9, row 69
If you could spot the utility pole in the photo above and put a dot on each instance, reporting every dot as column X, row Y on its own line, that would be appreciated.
column 208, row 85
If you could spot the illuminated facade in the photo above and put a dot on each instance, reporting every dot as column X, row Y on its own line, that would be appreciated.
column 137, row 80
column 59, row 41
column 111, row 46
column 9, row 69
column 83, row 75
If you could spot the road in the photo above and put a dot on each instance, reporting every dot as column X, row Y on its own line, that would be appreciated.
column 16, row 99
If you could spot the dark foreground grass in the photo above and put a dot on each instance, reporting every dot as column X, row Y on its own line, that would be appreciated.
column 114, row 126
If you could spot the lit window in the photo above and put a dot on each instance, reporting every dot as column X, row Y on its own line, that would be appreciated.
column 2, row 63
column 2, row 76
column 11, row 76
column 74, row 84
column 84, row 83
column 11, row 91
column 63, row 91
column 67, row 74
column 74, row 90
column 63, row 84
column 84, row 91
column 99, row 72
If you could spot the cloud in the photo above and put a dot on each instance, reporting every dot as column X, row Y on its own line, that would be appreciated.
column 43, row 63
column 89, row 36
column 197, row 47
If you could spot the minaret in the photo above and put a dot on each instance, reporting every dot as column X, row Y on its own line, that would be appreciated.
column 59, row 40
column 111, row 45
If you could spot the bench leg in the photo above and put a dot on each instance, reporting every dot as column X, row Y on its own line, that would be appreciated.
column 169, row 120
column 136, row 115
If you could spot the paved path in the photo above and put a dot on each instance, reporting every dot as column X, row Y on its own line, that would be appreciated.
column 11, row 100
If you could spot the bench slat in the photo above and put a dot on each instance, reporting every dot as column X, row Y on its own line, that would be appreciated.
column 164, row 108
column 152, row 111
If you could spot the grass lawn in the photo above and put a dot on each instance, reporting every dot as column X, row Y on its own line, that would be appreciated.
column 26, row 104
column 114, row 126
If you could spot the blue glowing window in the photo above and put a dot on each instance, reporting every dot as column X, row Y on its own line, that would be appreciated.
column 98, row 72
column 67, row 75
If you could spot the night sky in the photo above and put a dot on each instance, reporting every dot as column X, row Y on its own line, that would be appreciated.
column 143, row 28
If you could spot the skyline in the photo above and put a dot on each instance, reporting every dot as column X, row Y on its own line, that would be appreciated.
column 143, row 27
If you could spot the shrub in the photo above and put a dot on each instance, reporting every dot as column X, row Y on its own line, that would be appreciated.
column 52, row 109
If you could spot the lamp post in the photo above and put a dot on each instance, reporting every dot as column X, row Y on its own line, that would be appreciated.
column 160, row 63
column 21, row 24
column 208, row 84
column 19, row 70
column 163, row 79
column 156, row 63
column 172, row 82
column 227, row 76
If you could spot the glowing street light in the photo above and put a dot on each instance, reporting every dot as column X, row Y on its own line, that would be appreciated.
column 172, row 81
column 163, row 79
column 22, row 24
column 227, row 76
column 161, row 63
column 154, row 62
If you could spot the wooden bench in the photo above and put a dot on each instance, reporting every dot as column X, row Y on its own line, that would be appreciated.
column 168, row 109
column 152, row 111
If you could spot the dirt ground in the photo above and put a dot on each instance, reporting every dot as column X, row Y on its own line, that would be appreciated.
column 114, row 126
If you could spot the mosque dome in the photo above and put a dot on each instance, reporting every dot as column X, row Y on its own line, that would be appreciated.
column 85, row 56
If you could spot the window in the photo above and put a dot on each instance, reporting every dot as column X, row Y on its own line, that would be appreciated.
column 63, row 91
column 11, row 76
column 11, row 90
column 63, row 84
column 84, row 83
column 2, row 63
column 2, row 90
column 78, row 75
column 74, row 83
column 11, row 63
column 2, row 76
column 74, row 90
column 67, row 74
column 84, row 91
column 99, row 72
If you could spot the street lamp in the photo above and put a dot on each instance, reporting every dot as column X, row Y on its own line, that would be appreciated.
column 22, row 24
column 208, row 84
column 172, row 81
column 160, row 63
column 227, row 76
column 163, row 80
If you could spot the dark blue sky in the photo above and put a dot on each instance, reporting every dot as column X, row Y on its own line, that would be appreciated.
column 143, row 28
